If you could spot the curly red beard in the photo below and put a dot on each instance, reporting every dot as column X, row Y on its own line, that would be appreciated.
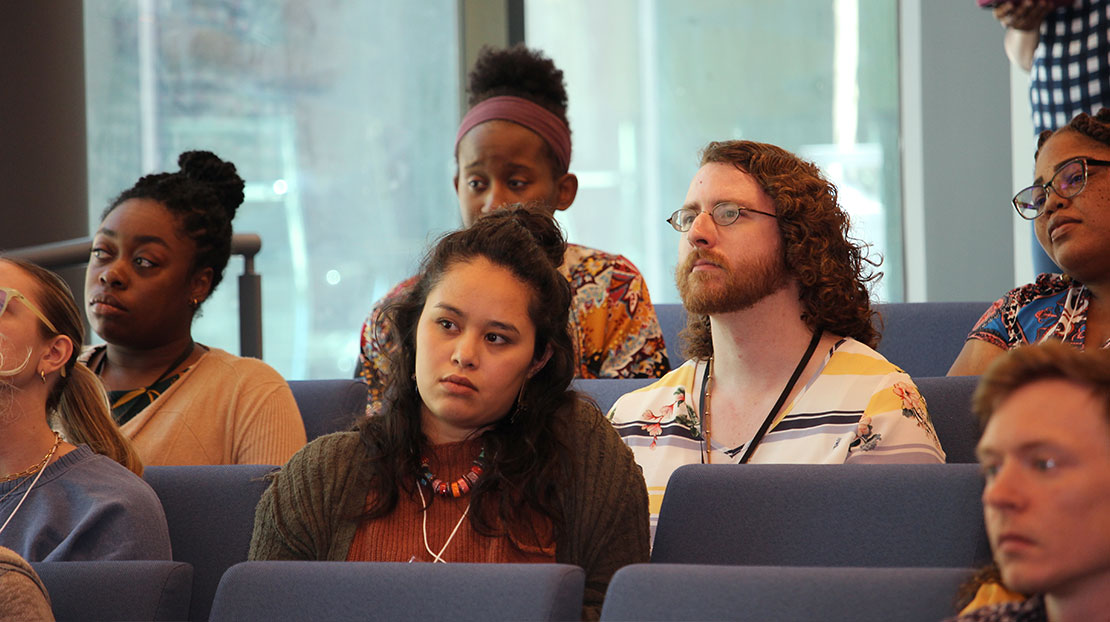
column 727, row 291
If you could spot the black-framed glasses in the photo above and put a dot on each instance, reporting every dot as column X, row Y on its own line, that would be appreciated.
column 724, row 214
column 8, row 294
column 1070, row 179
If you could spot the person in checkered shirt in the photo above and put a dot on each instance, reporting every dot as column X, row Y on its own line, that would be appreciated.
column 1065, row 46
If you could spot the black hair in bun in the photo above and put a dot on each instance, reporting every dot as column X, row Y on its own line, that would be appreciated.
column 204, row 196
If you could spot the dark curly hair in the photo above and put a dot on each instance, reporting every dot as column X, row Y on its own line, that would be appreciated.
column 831, row 268
column 1096, row 127
column 204, row 196
column 524, row 452
column 524, row 73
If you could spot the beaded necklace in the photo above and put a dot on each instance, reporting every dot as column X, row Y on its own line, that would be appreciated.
column 458, row 487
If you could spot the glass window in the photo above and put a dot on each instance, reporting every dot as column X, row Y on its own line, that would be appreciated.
column 340, row 116
column 651, row 82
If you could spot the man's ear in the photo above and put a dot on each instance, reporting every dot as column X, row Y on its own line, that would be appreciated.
column 567, row 186
column 538, row 363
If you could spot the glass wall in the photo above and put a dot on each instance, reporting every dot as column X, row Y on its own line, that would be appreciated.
column 340, row 116
column 652, row 81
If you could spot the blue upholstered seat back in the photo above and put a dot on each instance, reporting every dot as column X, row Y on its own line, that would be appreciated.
column 949, row 403
column 329, row 405
column 875, row 515
column 924, row 338
column 783, row 594
column 210, row 512
column 117, row 590
column 366, row 591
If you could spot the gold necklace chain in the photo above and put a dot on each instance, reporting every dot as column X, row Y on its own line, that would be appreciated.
column 35, row 468
column 705, row 420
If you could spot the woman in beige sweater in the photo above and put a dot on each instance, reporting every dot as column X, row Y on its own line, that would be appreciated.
column 159, row 252
column 481, row 453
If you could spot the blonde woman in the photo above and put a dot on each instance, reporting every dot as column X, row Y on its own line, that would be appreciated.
column 69, row 482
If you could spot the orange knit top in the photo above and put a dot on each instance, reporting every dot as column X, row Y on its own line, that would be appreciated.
column 399, row 537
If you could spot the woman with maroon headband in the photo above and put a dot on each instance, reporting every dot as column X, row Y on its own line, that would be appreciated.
column 514, row 146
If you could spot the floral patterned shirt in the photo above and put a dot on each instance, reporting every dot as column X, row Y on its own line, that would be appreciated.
column 612, row 323
column 1054, row 306
column 858, row 408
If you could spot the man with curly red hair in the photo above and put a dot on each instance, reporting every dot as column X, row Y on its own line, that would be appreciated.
column 779, row 335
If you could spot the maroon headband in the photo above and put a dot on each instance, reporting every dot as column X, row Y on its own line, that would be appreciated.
column 522, row 112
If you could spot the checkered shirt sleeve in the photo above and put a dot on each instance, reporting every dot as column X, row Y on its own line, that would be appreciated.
column 1071, row 65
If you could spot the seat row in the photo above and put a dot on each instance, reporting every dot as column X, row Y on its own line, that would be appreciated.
column 211, row 509
column 923, row 338
column 843, row 516
column 333, row 405
column 351, row 591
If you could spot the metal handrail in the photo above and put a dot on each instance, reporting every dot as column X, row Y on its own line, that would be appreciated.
column 75, row 253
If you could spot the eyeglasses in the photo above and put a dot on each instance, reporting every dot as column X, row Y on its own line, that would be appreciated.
column 1070, row 179
column 8, row 294
column 724, row 214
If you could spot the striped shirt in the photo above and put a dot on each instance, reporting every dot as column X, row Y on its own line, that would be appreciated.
column 858, row 408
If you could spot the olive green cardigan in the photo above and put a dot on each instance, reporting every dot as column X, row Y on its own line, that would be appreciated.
column 310, row 511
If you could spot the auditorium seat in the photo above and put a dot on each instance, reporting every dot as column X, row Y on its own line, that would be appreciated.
column 329, row 405
column 365, row 591
column 782, row 594
column 117, row 590
column 672, row 319
column 605, row 391
column 870, row 515
column 949, row 403
column 924, row 338
column 210, row 512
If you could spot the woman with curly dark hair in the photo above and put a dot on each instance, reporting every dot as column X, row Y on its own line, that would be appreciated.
column 481, row 453
column 1069, row 204
column 780, row 339
column 159, row 252
column 514, row 146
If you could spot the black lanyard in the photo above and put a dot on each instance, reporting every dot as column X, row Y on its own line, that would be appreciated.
column 750, row 449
